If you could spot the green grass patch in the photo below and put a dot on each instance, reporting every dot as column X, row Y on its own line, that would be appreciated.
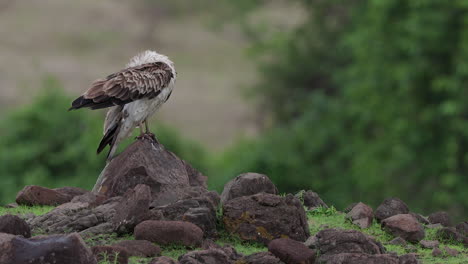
column 23, row 209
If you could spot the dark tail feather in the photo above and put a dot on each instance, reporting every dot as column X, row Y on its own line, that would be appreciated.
column 81, row 102
column 108, row 139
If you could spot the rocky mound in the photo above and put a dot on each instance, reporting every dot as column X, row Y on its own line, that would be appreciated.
column 148, row 193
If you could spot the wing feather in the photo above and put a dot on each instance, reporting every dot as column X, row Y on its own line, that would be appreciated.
column 128, row 85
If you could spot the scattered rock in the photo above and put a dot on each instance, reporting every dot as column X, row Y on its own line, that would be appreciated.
column 200, row 211
column 312, row 200
column 390, row 207
column 69, row 249
column 361, row 258
column 451, row 252
column 434, row 226
column 169, row 232
column 398, row 241
column 361, row 215
column 421, row 219
column 227, row 249
column 139, row 248
column 429, row 243
column 405, row 226
column 291, row 251
column 449, row 234
column 133, row 210
column 436, row 252
column 92, row 199
column 462, row 228
column 349, row 207
column 37, row 195
column 264, row 217
column 260, row 258
column 411, row 248
column 440, row 218
column 208, row 256
column 163, row 260
column 77, row 217
column 148, row 162
column 111, row 254
column 408, row 259
column 14, row 225
column 335, row 241
column 247, row 184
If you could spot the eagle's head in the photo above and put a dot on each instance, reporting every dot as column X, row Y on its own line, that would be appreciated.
column 150, row 56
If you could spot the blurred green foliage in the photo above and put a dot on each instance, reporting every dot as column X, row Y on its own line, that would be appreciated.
column 43, row 144
column 368, row 100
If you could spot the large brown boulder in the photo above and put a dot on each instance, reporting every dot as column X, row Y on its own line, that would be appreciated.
column 336, row 241
column 291, row 251
column 247, row 184
column 200, row 211
column 78, row 217
column 264, row 217
column 390, row 207
column 14, row 225
column 133, row 209
column 169, row 232
column 148, row 162
column 69, row 249
column 405, row 226
column 37, row 195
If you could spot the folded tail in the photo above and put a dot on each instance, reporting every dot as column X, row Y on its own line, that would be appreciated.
column 110, row 139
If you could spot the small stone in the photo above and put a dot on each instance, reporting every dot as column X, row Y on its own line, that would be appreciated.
column 462, row 228
column 423, row 220
column 449, row 234
column 451, row 252
column 139, row 248
column 169, row 232
column 247, row 184
column 405, row 226
column 12, row 224
column 291, row 251
column 260, row 258
column 440, row 218
column 207, row 256
column 312, row 200
column 408, row 259
column 390, row 207
column 436, row 252
column 429, row 243
column 398, row 241
column 163, row 260
column 361, row 215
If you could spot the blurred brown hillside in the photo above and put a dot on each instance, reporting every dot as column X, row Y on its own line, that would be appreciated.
column 80, row 41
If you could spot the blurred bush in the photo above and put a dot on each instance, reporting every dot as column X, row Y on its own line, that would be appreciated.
column 41, row 143
column 368, row 101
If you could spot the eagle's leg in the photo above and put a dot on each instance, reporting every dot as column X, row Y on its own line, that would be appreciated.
column 148, row 133
column 142, row 134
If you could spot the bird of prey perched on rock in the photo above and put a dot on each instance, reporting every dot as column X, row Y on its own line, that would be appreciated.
column 132, row 94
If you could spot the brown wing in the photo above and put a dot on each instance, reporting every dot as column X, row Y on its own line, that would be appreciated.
column 144, row 81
